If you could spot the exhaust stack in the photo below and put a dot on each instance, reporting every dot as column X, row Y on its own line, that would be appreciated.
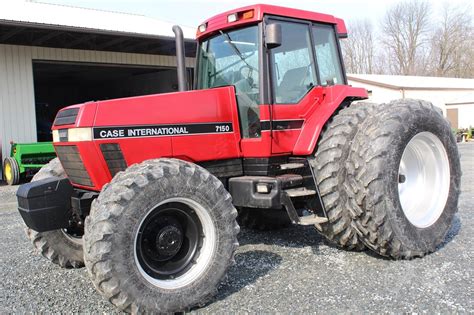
column 180, row 58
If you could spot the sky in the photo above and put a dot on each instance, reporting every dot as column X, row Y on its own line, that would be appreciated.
column 193, row 12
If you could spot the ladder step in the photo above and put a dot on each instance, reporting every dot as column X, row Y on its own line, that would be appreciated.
column 300, row 192
column 312, row 219
column 290, row 180
column 291, row 166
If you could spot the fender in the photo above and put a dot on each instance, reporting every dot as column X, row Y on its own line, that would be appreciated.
column 334, row 97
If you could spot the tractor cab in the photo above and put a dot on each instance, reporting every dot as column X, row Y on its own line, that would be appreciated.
column 280, row 68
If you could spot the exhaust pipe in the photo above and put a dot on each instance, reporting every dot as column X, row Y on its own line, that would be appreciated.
column 180, row 58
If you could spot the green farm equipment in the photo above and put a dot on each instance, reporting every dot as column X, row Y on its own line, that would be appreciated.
column 26, row 159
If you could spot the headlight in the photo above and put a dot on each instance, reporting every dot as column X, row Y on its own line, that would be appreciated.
column 72, row 135
column 55, row 135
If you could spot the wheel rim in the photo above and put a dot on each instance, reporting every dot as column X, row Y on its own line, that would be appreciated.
column 174, row 243
column 72, row 237
column 423, row 179
column 8, row 172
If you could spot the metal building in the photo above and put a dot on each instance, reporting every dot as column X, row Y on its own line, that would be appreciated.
column 455, row 97
column 52, row 56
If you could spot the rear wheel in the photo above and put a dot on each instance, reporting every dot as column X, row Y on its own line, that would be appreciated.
column 64, row 246
column 405, row 179
column 160, row 237
column 329, row 166
column 11, row 171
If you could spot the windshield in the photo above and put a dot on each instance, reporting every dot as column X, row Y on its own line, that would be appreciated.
column 232, row 59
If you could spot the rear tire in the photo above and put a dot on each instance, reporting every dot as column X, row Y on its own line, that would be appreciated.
column 329, row 169
column 263, row 219
column 160, row 237
column 57, row 246
column 404, row 179
column 11, row 171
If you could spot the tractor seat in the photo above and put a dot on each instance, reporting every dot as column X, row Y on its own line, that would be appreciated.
column 292, row 86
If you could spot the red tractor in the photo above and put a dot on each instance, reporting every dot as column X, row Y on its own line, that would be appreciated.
column 148, row 191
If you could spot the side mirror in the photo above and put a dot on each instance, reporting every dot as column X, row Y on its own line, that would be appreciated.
column 273, row 35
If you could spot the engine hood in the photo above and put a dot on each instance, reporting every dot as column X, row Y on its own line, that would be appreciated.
column 174, row 112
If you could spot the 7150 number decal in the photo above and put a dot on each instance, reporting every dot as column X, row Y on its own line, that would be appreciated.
column 222, row 128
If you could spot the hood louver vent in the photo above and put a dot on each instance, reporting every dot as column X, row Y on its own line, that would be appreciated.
column 66, row 117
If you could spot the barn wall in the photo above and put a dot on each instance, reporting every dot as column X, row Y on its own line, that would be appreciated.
column 17, row 103
column 465, row 114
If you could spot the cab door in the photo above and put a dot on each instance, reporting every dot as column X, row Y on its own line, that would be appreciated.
column 302, row 68
column 292, row 77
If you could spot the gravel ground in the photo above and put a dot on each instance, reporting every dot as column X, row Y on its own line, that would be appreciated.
column 292, row 270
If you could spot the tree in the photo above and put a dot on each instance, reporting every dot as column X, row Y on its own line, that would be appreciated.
column 358, row 49
column 451, row 51
column 405, row 29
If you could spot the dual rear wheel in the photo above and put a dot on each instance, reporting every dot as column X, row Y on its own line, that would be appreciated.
column 389, row 176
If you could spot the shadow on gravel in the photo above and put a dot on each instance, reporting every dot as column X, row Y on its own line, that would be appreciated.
column 452, row 233
column 249, row 267
column 293, row 236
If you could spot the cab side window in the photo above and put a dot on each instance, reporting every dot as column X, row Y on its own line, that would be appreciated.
column 293, row 72
column 327, row 55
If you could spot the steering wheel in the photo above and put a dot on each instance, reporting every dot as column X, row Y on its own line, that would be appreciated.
column 246, row 73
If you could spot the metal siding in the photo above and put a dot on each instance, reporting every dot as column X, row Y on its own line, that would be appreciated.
column 17, row 103
column 3, row 101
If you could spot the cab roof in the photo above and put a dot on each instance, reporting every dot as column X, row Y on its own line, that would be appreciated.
column 220, row 21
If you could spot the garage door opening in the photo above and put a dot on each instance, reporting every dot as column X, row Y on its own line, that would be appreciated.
column 60, row 84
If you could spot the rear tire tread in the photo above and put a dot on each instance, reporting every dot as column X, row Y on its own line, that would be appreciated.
column 329, row 168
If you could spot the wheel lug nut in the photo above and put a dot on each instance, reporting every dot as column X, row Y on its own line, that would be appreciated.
column 401, row 178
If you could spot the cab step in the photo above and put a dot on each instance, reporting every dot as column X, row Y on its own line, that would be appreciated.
column 290, row 180
column 312, row 220
column 300, row 192
column 291, row 166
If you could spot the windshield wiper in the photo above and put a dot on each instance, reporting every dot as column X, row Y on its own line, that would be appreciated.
column 236, row 50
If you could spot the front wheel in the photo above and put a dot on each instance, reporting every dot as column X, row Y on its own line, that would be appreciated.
column 160, row 237
column 404, row 175
column 11, row 171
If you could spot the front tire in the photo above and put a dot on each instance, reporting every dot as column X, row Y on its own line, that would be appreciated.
column 404, row 180
column 61, row 247
column 160, row 237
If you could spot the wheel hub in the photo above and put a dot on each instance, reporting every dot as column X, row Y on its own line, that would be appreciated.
column 169, row 240
column 8, row 172
column 423, row 179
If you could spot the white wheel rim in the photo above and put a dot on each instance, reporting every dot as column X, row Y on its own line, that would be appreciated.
column 423, row 179
column 205, row 255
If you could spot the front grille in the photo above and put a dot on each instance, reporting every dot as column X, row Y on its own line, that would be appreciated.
column 73, row 165
column 113, row 157
column 66, row 117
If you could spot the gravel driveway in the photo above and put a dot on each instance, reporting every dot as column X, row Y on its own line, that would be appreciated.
column 292, row 270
